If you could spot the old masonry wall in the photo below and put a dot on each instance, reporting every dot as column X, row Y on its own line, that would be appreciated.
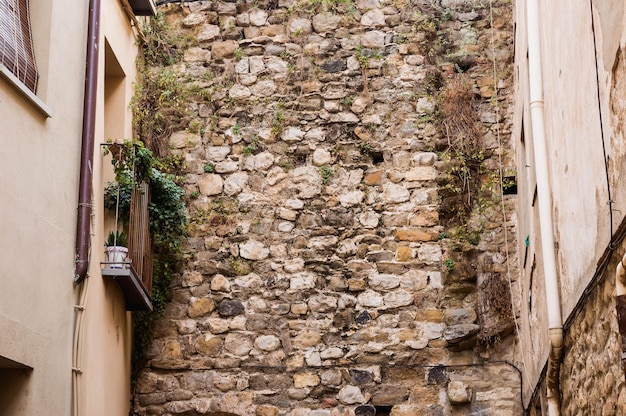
column 350, row 249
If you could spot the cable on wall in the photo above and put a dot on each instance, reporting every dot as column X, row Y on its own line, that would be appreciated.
column 502, row 202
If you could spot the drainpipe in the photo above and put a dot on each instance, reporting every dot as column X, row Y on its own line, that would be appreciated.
column 555, row 320
column 87, row 143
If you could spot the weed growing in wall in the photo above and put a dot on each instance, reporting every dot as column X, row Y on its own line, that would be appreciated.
column 496, row 317
column 160, row 102
column 316, row 6
column 326, row 173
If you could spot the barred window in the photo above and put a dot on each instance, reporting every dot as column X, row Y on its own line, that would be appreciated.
column 16, row 48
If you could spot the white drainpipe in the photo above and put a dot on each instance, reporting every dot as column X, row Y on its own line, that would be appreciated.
column 555, row 320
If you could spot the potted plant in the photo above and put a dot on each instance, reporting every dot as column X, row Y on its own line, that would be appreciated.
column 116, row 249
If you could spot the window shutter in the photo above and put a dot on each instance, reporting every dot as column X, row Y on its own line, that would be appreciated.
column 16, row 47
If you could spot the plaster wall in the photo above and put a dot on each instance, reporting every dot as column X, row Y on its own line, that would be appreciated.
column 579, row 42
column 38, row 167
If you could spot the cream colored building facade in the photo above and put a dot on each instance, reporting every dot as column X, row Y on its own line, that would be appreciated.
column 571, row 155
column 66, row 340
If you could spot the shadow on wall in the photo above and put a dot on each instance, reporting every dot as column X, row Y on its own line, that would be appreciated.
column 14, row 379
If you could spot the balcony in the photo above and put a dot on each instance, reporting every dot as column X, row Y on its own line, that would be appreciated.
column 143, row 7
column 134, row 275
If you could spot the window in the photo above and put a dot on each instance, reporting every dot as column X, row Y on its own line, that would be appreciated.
column 16, row 48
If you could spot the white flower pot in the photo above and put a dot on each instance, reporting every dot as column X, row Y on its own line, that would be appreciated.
column 116, row 256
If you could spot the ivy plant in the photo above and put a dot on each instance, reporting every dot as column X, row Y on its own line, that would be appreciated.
column 133, row 163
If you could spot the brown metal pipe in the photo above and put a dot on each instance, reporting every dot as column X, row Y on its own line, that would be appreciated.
column 87, row 143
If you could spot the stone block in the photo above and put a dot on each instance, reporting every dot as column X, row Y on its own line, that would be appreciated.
column 351, row 395
column 326, row 22
column 220, row 283
column 459, row 392
column 223, row 49
column 209, row 345
column 200, row 306
column 404, row 253
column 267, row 342
column 457, row 333
column 388, row 395
column 307, row 339
column 302, row 380
column 413, row 235
column 230, row 308
column 378, row 281
column 253, row 250
column 460, row 316
column 398, row 298
column 211, row 185
column 197, row 55
column 238, row 344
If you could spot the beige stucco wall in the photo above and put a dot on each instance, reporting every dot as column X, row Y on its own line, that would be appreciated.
column 39, row 165
column 577, row 121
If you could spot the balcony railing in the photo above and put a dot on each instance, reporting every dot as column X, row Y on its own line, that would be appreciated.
column 134, row 276
column 139, row 242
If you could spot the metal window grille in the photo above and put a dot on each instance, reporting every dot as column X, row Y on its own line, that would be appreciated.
column 16, row 47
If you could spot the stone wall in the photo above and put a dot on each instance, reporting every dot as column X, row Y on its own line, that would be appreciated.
column 322, row 275
column 592, row 381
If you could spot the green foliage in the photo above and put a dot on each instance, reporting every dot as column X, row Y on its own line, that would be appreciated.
column 252, row 147
column 326, row 173
column 347, row 101
column 278, row 122
column 159, row 106
column 209, row 168
column 160, row 102
column 219, row 212
column 449, row 264
column 237, row 129
column 362, row 55
column 239, row 265
column 334, row 6
column 196, row 126
column 163, row 46
column 286, row 164
column 133, row 163
column 117, row 238
column 239, row 54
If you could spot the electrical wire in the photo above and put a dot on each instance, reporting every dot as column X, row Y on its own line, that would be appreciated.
column 77, row 344
column 606, row 164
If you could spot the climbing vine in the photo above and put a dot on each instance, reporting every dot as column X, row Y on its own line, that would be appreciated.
column 134, row 163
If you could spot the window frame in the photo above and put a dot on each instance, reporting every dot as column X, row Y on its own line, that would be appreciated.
column 21, row 53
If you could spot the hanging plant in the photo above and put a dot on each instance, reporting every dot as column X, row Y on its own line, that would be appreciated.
column 133, row 164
